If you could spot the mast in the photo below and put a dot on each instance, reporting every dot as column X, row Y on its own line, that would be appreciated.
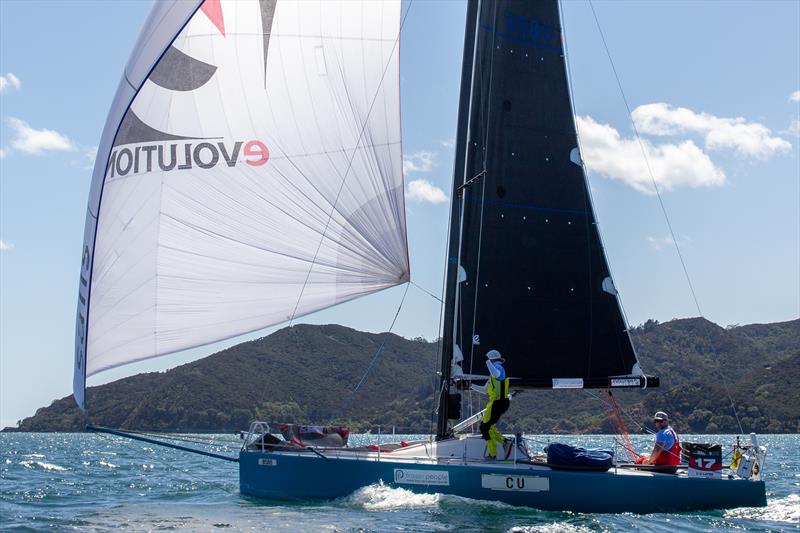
column 467, row 73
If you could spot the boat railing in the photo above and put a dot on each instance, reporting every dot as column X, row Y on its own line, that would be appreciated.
column 258, row 429
column 752, row 460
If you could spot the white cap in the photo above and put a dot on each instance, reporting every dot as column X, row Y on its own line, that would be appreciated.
column 492, row 355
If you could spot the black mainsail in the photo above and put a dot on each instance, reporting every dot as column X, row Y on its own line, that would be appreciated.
column 527, row 274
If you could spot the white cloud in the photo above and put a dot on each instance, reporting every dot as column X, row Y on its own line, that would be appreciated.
column 660, row 243
column 421, row 161
column 683, row 164
column 424, row 191
column 794, row 128
column 8, row 81
column 5, row 246
column 750, row 139
column 449, row 143
column 32, row 141
column 795, row 96
column 3, row 153
column 89, row 154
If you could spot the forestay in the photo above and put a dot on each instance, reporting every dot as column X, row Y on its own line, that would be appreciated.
column 250, row 172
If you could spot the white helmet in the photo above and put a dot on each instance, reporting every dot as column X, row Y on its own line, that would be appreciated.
column 493, row 355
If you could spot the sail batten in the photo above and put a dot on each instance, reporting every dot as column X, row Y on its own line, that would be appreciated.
column 250, row 172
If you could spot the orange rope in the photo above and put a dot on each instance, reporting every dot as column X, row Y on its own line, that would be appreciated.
column 626, row 444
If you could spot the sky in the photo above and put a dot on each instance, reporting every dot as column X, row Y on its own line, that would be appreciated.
column 713, row 89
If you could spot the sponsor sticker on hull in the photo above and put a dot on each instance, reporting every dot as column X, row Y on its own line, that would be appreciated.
column 513, row 482
column 267, row 462
column 422, row 477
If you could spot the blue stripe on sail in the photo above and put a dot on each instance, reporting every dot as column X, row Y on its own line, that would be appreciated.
column 519, row 40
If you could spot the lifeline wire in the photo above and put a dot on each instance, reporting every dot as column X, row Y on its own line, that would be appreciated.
column 661, row 202
column 349, row 397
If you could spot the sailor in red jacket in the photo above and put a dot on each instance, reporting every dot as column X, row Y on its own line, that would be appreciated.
column 667, row 450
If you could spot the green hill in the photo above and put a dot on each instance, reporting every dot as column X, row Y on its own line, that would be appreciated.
column 306, row 373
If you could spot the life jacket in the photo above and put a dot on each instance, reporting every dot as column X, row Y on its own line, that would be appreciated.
column 497, row 389
column 671, row 457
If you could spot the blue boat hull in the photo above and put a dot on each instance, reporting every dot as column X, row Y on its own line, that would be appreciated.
column 302, row 476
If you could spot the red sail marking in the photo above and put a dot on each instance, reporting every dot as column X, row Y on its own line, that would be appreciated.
column 213, row 11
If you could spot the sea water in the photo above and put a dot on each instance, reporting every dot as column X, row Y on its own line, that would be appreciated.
column 91, row 482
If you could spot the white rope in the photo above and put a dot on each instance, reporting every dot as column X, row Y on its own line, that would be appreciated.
column 374, row 359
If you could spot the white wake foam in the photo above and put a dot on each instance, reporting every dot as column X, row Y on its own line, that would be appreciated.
column 555, row 527
column 42, row 465
column 780, row 510
column 380, row 497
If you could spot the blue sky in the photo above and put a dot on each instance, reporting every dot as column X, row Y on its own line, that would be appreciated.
column 715, row 92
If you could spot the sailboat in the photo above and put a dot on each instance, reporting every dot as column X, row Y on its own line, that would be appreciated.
column 250, row 173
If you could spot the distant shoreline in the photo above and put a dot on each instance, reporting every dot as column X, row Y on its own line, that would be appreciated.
column 290, row 376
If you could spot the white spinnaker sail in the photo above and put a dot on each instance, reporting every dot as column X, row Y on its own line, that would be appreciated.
column 250, row 171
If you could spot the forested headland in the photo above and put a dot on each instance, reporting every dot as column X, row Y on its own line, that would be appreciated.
column 306, row 373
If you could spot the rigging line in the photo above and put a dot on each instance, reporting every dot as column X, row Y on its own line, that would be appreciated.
column 476, row 70
column 440, row 342
column 441, row 392
column 647, row 161
column 477, row 275
column 487, row 99
column 167, row 464
column 625, row 412
column 194, row 439
column 467, row 161
column 597, row 227
column 663, row 207
column 621, row 429
column 587, row 206
column 346, row 401
column 350, row 162
column 441, row 301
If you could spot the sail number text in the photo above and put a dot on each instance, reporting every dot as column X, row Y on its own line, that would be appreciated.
column 514, row 482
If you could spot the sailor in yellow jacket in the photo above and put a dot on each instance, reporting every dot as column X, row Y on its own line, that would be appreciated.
column 497, row 389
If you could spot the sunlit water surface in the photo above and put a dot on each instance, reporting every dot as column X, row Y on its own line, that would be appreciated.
column 86, row 482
